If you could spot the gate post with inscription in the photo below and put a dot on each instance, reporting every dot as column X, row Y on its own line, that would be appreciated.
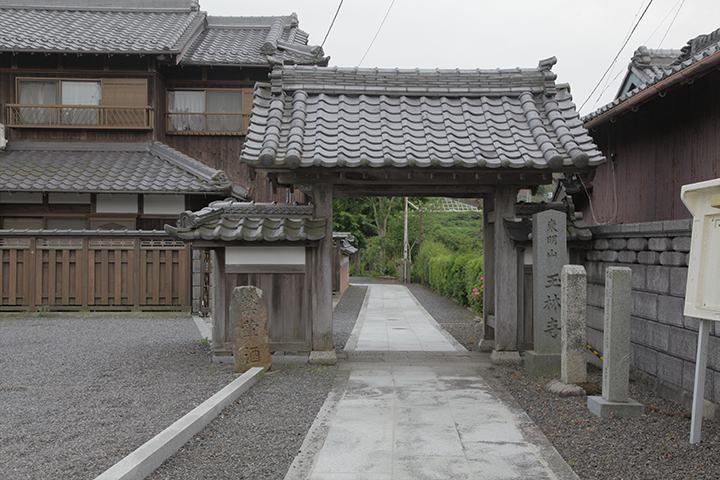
column 249, row 314
column 549, row 240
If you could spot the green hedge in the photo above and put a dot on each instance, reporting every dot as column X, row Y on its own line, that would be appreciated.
column 457, row 276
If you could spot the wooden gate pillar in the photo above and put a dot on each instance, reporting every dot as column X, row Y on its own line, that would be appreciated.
column 506, row 279
column 322, row 328
column 488, row 341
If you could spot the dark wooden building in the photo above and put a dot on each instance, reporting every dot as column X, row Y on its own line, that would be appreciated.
column 119, row 116
column 660, row 133
column 658, row 136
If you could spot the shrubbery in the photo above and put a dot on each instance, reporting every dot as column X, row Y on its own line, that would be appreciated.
column 458, row 276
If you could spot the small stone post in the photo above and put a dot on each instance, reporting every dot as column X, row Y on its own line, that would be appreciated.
column 616, row 349
column 549, row 240
column 573, row 347
column 248, row 314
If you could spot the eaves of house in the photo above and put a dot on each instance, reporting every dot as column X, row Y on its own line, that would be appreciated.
column 700, row 56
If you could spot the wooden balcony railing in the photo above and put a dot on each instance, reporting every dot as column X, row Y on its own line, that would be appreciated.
column 86, row 116
column 206, row 123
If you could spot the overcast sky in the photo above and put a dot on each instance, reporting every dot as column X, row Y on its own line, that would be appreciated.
column 584, row 35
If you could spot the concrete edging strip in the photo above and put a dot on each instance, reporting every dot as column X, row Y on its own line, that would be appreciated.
column 146, row 459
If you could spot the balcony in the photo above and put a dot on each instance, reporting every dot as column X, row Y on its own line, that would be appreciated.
column 206, row 123
column 86, row 116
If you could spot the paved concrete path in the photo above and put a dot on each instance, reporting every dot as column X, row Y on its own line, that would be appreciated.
column 410, row 403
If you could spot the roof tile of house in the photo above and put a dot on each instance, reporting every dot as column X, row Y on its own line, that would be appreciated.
column 252, row 41
column 148, row 167
column 350, row 117
column 170, row 27
column 697, row 50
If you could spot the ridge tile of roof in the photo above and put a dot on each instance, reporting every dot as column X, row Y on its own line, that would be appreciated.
column 146, row 167
column 352, row 117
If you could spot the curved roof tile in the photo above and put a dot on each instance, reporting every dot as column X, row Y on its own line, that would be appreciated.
column 237, row 221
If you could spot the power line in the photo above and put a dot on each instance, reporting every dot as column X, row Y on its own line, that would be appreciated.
column 609, row 82
column 681, row 3
column 618, row 54
column 377, row 33
column 331, row 24
column 671, row 23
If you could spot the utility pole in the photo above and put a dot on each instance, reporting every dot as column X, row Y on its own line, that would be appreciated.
column 406, row 266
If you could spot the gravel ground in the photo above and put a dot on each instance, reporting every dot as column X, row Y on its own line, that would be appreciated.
column 345, row 314
column 77, row 394
column 259, row 435
column 654, row 446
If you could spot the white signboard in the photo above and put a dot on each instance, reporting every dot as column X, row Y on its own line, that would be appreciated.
column 702, row 298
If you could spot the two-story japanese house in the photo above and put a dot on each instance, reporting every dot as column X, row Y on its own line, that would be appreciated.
column 118, row 116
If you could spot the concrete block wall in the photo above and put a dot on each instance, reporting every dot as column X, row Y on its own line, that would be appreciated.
column 663, row 340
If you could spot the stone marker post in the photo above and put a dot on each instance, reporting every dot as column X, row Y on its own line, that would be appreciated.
column 573, row 364
column 616, row 349
column 549, row 239
column 248, row 316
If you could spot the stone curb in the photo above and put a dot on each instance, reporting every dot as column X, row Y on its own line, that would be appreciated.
column 146, row 459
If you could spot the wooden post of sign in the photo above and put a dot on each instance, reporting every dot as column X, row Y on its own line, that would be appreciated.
column 699, row 390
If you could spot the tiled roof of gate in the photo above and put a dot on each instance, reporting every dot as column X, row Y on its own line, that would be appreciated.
column 237, row 221
column 697, row 50
column 169, row 27
column 148, row 167
column 351, row 117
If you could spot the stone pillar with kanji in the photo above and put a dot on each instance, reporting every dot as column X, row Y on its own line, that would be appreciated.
column 550, row 254
column 248, row 316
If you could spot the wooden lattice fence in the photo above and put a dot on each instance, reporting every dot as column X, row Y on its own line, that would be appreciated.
column 94, row 273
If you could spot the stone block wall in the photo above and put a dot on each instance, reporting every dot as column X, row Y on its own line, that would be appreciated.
column 663, row 340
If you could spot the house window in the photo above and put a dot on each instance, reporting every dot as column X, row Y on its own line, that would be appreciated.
column 106, row 103
column 217, row 112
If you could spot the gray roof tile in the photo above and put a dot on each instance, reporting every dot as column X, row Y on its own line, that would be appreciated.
column 93, row 31
column 311, row 116
column 167, row 27
column 235, row 221
column 148, row 167
column 654, row 66
column 253, row 41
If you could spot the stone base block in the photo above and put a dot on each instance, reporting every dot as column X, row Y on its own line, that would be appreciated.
column 604, row 408
column 504, row 357
column 322, row 357
column 565, row 389
column 487, row 345
column 537, row 364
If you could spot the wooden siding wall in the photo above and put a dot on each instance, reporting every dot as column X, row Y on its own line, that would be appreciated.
column 287, row 302
column 94, row 274
column 669, row 142
column 287, row 293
